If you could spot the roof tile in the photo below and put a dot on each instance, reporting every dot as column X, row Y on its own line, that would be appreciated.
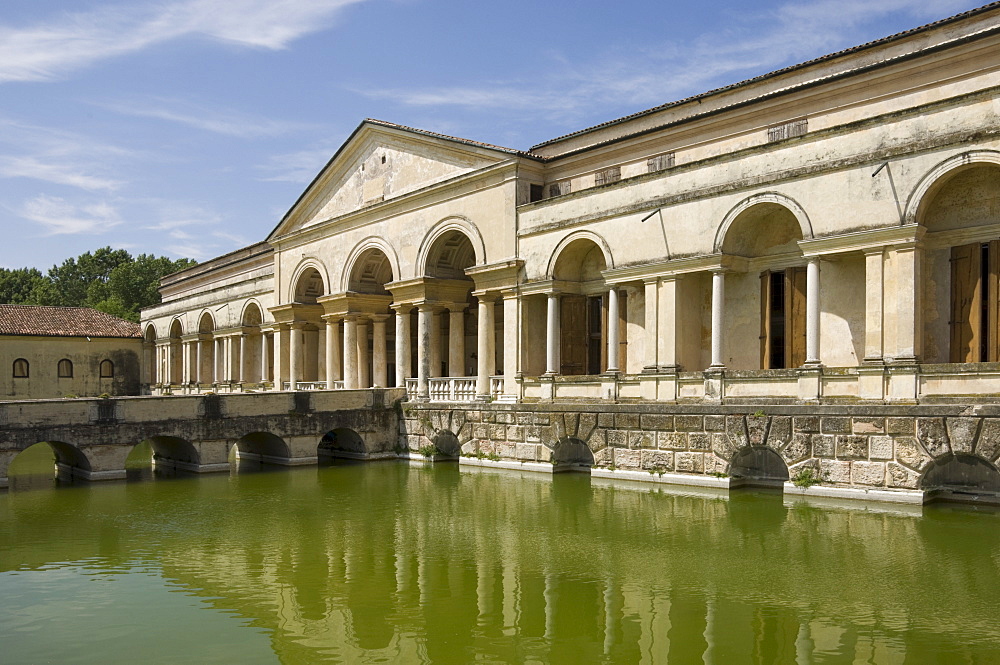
column 63, row 322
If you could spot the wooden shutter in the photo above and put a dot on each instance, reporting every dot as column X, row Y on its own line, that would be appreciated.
column 795, row 316
column 573, row 333
column 966, row 302
column 765, row 319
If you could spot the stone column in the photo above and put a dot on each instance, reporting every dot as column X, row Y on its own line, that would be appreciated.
column 718, row 317
column 456, row 340
column 364, row 362
column 295, row 356
column 186, row 363
column 652, row 324
column 280, row 341
column 197, row 362
column 168, row 373
column 351, row 353
column 906, row 263
column 874, row 285
column 487, row 347
column 402, row 345
column 552, row 335
column 435, row 355
column 511, row 336
column 612, row 330
column 379, row 368
column 332, row 352
column 264, row 352
column 812, row 311
column 424, row 314
column 244, row 370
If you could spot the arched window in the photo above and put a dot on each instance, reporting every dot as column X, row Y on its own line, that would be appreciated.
column 20, row 368
column 107, row 369
column 65, row 369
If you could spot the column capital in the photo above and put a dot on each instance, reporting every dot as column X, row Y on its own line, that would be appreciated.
column 402, row 307
column 378, row 318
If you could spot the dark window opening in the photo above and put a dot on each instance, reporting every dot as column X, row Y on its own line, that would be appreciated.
column 65, row 369
column 20, row 368
column 595, row 337
column 107, row 369
column 535, row 193
column 777, row 322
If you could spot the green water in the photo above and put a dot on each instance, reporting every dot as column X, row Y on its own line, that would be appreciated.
column 387, row 563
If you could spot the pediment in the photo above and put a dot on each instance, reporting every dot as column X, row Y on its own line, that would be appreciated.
column 378, row 164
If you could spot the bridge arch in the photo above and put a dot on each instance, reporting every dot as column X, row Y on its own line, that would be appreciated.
column 68, row 462
column 163, row 453
column 341, row 442
column 447, row 443
column 262, row 447
column 758, row 465
column 571, row 454
column 958, row 476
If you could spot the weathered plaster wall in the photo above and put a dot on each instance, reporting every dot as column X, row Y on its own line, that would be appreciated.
column 44, row 353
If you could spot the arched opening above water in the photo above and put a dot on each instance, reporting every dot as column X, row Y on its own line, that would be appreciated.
column 45, row 463
column 342, row 442
column 962, row 478
column 572, row 455
column 447, row 443
column 758, row 466
column 161, row 456
column 260, row 448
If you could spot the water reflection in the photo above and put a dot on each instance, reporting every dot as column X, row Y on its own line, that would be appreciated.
column 383, row 562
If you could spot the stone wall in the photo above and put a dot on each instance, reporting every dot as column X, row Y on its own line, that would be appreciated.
column 863, row 447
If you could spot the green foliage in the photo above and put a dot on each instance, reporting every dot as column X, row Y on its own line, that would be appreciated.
column 806, row 477
column 110, row 280
column 759, row 413
column 428, row 451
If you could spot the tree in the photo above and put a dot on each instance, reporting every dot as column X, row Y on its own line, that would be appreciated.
column 17, row 286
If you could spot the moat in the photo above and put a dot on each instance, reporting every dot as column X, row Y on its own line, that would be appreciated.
column 386, row 562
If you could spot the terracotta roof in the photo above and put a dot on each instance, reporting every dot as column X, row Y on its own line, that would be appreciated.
column 775, row 73
column 63, row 322
column 489, row 146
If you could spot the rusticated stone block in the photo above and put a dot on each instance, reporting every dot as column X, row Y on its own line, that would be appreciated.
column 525, row 418
column 480, row 431
column 723, row 446
column 799, row 449
column 806, row 424
column 627, row 420
column 835, row 425
column 542, row 419
column 689, row 423
column 962, row 433
column 505, row 417
column 606, row 420
column 475, row 416
column 933, row 436
column 714, row 464
column 902, row 426
column 852, row 446
column 507, row 450
column 498, row 432
column 588, row 421
column 988, row 446
column 868, row 425
column 756, row 429
column 880, row 447
column 415, row 441
column 736, row 430
column 715, row 423
column 699, row 441
column 597, row 440
column 690, row 462
column 900, row 476
column 868, row 473
column 515, row 433
column 465, row 433
column 638, row 439
column 909, row 452
column 571, row 420
column 628, row 459
column 780, row 432
column 835, row 471
column 656, row 421
column 661, row 459
column 468, row 448
column 603, row 457
column 526, row 451
column 823, row 445
column 617, row 438
column 559, row 427
column 532, row 433
column 458, row 419
column 672, row 440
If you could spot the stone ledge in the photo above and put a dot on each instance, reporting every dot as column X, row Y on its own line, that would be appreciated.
column 537, row 467
column 892, row 496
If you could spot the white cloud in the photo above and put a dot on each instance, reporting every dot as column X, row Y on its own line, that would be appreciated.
column 300, row 166
column 60, row 217
column 51, row 50
column 27, row 166
column 229, row 123
column 793, row 32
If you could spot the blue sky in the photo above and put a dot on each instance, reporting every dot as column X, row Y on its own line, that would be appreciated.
column 189, row 127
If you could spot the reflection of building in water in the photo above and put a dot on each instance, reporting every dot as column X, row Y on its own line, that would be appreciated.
column 382, row 562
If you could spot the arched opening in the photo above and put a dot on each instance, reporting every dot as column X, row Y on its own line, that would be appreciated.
column 963, row 478
column 44, row 464
column 174, row 361
column 455, row 326
column 572, row 455
column 758, row 467
column 775, row 296
column 342, row 442
column 21, row 369
column 258, row 449
column 304, row 335
column 107, row 369
column 256, row 364
column 64, row 369
column 161, row 456
column 375, row 332
column 960, row 298
column 447, row 443
column 584, row 317
column 205, row 360
column 149, row 350
column 309, row 287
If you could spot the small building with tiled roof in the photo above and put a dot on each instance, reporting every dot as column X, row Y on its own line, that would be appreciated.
column 50, row 352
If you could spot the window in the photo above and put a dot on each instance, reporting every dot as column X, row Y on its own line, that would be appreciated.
column 535, row 193
column 975, row 274
column 660, row 162
column 613, row 174
column 559, row 188
column 20, row 368
column 787, row 130
column 65, row 369
column 107, row 369
column 783, row 318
